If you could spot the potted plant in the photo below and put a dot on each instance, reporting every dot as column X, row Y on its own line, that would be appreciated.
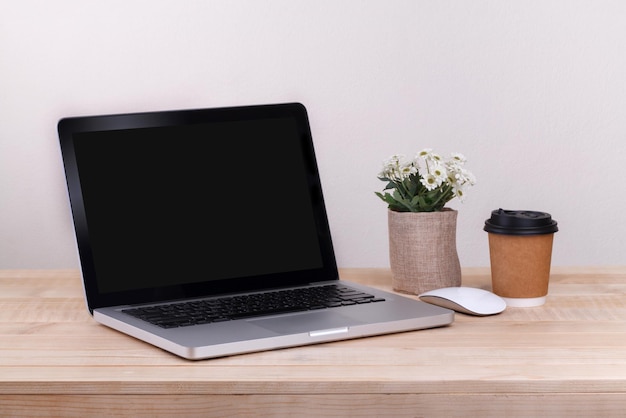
column 422, row 230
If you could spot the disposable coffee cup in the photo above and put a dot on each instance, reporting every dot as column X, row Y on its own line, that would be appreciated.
column 520, row 251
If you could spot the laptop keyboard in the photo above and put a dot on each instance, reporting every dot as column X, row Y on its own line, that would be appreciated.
column 228, row 308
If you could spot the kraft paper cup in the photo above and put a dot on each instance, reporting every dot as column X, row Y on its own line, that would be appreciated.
column 520, row 250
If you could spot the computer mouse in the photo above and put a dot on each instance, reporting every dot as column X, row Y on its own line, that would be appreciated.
column 468, row 300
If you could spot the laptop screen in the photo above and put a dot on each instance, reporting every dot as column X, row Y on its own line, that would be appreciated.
column 190, row 203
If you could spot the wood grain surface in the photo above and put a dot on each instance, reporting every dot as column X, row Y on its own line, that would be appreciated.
column 566, row 358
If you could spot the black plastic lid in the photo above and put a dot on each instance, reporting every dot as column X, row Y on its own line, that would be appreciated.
column 520, row 222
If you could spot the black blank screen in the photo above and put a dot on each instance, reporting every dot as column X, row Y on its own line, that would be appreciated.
column 184, row 204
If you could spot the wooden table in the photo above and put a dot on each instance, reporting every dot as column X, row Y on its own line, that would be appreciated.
column 566, row 358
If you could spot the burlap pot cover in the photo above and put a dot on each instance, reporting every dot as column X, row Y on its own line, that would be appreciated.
column 422, row 250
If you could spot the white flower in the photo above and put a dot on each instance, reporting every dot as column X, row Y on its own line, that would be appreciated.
column 429, row 181
column 464, row 177
column 458, row 158
column 425, row 153
column 458, row 192
column 439, row 172
column 407, row 170
column 429, row 156
column 396, row 169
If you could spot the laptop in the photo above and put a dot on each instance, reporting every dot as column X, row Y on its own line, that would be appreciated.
column 204, row 232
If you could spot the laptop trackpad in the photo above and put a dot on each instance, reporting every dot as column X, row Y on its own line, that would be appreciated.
column 307, row 322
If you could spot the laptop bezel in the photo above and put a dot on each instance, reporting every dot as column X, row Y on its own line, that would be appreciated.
column 70, row 126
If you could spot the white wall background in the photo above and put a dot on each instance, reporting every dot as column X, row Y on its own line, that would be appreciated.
column 532, row 92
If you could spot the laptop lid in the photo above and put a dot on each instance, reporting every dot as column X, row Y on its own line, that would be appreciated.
column 188, row 203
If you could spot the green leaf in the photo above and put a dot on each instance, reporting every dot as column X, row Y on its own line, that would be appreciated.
column 390, row 185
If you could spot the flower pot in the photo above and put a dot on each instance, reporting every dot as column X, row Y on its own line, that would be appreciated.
column 422, row 250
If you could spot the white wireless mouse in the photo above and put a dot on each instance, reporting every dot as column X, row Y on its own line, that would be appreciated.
column 469, row 300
